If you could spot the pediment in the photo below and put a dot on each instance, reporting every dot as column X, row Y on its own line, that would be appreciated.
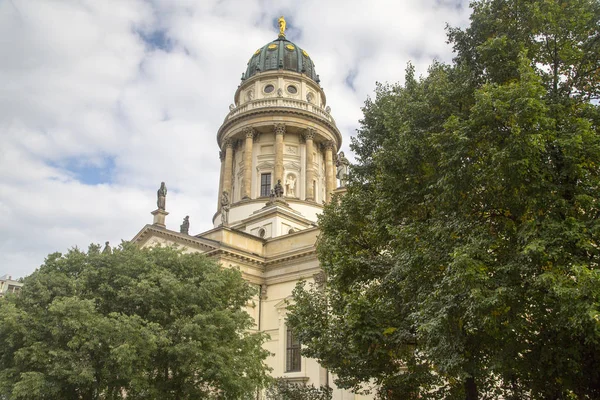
column 154, row 235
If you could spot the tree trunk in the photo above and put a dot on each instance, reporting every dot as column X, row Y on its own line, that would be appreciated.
column 471, row 389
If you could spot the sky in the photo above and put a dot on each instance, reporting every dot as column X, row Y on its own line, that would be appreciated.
column 100, row 101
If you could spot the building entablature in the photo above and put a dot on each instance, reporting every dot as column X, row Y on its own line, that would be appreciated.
column 262, row 115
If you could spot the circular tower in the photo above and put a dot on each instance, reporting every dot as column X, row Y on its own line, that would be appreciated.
column 279, row 129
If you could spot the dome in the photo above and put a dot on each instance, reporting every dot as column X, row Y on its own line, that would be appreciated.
column 281, row 54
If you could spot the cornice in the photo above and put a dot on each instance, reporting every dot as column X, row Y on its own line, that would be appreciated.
column 248, row 115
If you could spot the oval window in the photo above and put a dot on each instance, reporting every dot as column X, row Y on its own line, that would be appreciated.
column 292, row 89
column 269, row 88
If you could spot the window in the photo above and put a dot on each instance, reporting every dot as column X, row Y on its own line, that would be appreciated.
column 269, row 88
column 265, row 185
column 292, row 358
column 292, row 89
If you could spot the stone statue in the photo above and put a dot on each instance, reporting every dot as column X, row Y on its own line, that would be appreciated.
column 280, row 92
column 343, row 168
column 107, row 249
column 161, row 195
column 282, row 26
column 290, row 184
column 328, row 110
column 231, row 107
column 225, row 208
column 310, row 97
column 278, row 189
column 250, row 95
column 272, row 195
column 185, row 226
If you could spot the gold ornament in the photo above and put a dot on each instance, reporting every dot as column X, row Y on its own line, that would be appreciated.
column 282, row 25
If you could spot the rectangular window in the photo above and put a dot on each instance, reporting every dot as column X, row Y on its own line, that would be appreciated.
column 292, row 359
column 265, row 185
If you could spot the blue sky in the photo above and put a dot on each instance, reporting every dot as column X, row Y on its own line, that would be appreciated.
column 100, row 101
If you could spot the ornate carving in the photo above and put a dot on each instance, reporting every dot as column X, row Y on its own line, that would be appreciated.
column 221, row 155
column 290, row 184
column 228, row 143
column 343, row 168
column 161, row 196
column 225, row 208
column 328, row 145
column 279, row 129
column 278, row 189
column 320, row 279
column 291, row 149
column 249, row 132
column 231, row 107
column 250, row 95
column 282, row 26
column 328, row 110
column 309, row 134
column 263, row 292
column 310, row 97
column 185, row 226
column 280, row 90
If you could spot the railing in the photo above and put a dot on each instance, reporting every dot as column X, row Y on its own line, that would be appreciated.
column 281, row 102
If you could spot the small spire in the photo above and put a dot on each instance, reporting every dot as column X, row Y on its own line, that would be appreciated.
column 282, row 26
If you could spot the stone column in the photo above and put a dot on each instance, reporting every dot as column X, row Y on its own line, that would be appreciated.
column 310, row 188
column 329, row 172
column 222, row 158
column 247, row 189
column 279, row 132
column 228, row 170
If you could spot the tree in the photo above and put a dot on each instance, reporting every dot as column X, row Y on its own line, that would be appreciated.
column 281, row 389
column 137, row 323
column 463, row 262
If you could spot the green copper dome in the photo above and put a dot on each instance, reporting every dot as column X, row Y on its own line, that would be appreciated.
column 281, row 54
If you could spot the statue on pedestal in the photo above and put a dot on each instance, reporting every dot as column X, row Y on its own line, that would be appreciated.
column 290, row 183
column 343, row 168
column 161, row 195
column 107, row 249
column 225, row 208
column 278, row 189
column 185, row 226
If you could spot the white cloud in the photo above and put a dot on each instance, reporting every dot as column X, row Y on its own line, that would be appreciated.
column 81, row 86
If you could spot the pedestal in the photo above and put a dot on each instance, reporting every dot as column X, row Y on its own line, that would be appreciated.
column 159, row 217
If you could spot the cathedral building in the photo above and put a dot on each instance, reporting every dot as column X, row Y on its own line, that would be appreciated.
column 279, row 165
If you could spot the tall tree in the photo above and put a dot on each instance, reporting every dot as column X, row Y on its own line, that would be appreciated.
column 134, row 323
column 463, row 262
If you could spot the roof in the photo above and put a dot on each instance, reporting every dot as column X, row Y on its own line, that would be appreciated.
column 281, row 54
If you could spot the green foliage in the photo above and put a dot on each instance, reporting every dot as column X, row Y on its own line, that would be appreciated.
column 463, row 262
column 284, row 390
column 145, row 323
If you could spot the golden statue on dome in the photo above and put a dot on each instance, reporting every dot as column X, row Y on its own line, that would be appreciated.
column 282, row 25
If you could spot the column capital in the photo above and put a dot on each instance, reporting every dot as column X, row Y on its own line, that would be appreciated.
column 328, row 145
column 221, row 155
column 279, row 129
column 228, row 143
column 249, row 132
column 309, row 134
